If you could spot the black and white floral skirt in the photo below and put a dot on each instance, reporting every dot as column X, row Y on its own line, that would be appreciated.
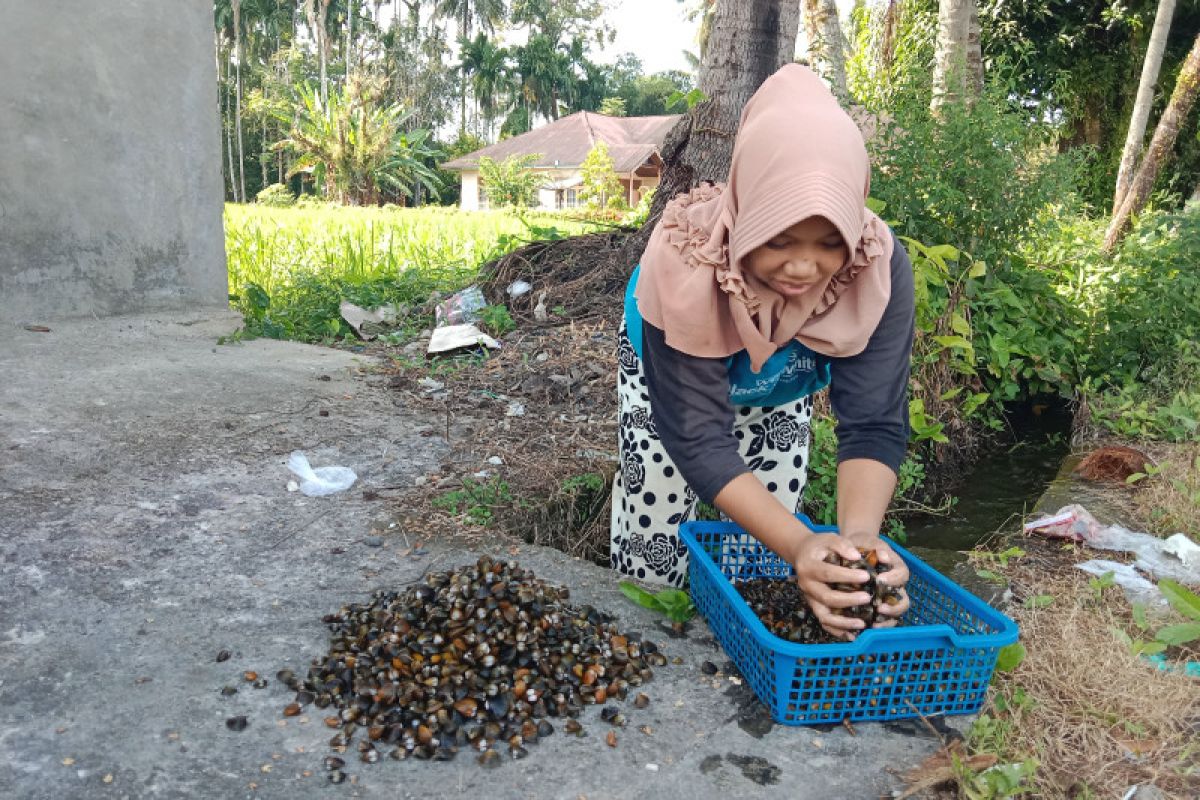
column 651, row 499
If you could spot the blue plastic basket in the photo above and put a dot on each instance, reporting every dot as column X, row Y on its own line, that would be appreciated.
column 939, row 660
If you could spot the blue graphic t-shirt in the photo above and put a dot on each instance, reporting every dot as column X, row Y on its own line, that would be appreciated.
column 794, row 371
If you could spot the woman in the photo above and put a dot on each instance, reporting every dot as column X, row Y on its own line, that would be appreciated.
column 750, row 297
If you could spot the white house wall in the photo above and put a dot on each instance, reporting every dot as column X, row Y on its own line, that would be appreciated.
column 470, row 191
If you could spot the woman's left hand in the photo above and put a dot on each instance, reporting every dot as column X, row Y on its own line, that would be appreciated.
column 895, row 577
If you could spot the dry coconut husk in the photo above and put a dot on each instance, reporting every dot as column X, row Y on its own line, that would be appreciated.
column 1113, row 463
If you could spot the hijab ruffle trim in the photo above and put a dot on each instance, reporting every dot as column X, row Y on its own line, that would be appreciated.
column 872, row 245
column 702, row 245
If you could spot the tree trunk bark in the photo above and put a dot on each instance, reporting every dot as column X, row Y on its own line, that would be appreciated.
column 1145, row 99
column 826, row 45
column 464, row 26
column 226, row 123
column 750, row 40
column 951, row 69
column 349, row 54
column 887, row 43
column 237, row 112
column 265, row 155
column 223, row 114
column 1187, row 86
column 317, row 17
column 974, row 55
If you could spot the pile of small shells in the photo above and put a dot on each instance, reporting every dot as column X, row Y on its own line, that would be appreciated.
column 480, row 657
column 881, row 594
column 784, row 610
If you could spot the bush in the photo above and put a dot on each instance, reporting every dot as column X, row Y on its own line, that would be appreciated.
column 637, row 217
column 510, row 182
column 975, row 177
column 277, row 194
column 1142, row 364
column 1150, row 311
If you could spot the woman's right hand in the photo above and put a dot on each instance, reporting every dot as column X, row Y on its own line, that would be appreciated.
column 814, row 576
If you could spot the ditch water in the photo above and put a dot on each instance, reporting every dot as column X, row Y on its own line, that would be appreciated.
column 1002, row 485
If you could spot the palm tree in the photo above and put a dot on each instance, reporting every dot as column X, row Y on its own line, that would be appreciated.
column 486, row 65
column 826, row 44
column 317, row 14
column 541, row 68
column 489, row 14
column 355, row 148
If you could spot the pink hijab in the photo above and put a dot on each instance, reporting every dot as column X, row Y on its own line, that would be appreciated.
column 797, row 155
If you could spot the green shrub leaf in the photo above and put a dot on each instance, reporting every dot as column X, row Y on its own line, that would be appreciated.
column 1010, row 657
column 1183, row 600
column 1182, row 633
column 640, row 596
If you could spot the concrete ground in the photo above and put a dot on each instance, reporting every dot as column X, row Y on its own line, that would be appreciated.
column 145, row 525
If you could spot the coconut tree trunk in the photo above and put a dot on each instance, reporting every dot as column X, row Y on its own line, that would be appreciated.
column 237, row 112
column 264, row 157
column 826, row 44
column 316, row 12
column 952, row 68
column 1187, row 86
column 974, row 55
column 349, row 35
column 464, row 29
column 887, row 44
column 1145, row 98
column 750, row 39
column 226, row 124
column 223, row 114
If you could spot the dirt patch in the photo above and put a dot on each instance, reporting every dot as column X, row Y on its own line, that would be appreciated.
column 532, row 434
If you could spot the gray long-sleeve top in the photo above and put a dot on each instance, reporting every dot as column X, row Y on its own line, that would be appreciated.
column 689, row 396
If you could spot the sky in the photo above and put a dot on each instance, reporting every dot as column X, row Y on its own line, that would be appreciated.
column 657, row 32
column 653, row 30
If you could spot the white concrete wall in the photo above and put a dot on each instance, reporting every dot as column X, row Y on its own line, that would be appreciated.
column 470, row 191
column 110, row 179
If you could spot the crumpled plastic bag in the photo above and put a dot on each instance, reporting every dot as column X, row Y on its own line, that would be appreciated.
column 1176, row 557
column 322, row 480
column 460, row 308
column 1136, row 588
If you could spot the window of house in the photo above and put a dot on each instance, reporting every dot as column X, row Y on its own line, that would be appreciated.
column 483, row 204
column 570, row 199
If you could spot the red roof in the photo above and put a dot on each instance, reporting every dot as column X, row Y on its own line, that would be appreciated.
column 566, row 142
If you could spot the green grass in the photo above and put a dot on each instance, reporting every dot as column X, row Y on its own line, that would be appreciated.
column 289, row 268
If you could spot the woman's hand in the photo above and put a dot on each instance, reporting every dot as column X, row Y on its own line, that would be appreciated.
column 895, row 577
column 814, row 575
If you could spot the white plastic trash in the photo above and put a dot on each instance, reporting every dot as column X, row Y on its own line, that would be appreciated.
column 322, row 480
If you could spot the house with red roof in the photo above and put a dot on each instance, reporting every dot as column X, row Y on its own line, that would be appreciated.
column 561, row 147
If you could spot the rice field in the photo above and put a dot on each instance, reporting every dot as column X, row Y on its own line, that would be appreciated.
column 289, row 268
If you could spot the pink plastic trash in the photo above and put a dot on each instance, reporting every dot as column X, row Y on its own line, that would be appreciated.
column 1071, row 522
